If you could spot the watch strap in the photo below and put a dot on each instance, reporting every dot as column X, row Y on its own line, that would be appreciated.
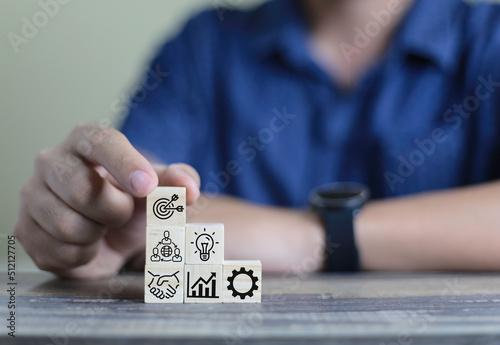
column 341, row 250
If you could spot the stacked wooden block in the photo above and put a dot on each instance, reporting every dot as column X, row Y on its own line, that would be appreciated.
column 185, row 262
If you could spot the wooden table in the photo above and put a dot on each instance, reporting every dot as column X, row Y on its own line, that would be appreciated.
column 379, row 308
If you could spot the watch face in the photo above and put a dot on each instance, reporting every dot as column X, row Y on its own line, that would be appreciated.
column 339, row 195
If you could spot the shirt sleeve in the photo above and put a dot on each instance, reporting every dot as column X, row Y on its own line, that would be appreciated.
column 483, row 75
column 484, row 43
column 169, row 117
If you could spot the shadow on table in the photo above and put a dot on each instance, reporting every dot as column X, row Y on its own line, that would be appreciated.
column 129, row 287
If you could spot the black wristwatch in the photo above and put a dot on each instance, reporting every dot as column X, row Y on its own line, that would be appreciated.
column 337, row 204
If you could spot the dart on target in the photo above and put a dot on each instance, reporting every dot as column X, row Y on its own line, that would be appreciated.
column 164, row 208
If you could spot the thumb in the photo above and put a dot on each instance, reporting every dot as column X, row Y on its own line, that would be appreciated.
column 180, row 175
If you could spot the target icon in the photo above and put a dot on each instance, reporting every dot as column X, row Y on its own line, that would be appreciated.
column 164, row 208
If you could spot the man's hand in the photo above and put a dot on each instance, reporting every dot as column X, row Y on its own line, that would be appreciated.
column 82, row 213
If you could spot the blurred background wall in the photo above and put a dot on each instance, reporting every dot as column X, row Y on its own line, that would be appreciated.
column 80, row 65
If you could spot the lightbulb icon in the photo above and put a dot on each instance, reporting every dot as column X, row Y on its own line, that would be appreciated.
column 204, row 243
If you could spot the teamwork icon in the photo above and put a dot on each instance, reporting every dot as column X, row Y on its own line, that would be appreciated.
column 166, row 250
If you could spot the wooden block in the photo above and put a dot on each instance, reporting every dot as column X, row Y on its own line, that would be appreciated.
column 164, row 284
column 205, row 244
column 242, row 281
column 166, row 206
column 165, row 245
column 203, row 284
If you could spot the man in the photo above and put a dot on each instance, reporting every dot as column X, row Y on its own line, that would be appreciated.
column 402, row 96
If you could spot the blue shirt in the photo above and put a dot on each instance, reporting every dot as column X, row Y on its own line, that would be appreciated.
column 246, row 105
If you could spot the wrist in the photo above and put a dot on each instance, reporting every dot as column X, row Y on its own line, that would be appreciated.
column 337, row 205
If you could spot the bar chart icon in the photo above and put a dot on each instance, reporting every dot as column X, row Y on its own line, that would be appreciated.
column 203, row 288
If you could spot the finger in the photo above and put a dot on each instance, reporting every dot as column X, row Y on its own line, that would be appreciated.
column 107, row 176
column 138, row 262
column 188, row 169
column 82, row 188
column 111, row 149
column 61, row 221
column 130, row 238
column 104, row 264
column 180, row 175
column 48, row 253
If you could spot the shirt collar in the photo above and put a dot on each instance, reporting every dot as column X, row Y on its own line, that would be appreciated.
column 283, row 34
column 431, row 30
column 281, row 30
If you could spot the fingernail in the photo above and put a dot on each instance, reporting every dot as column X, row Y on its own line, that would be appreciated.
column 141, row 182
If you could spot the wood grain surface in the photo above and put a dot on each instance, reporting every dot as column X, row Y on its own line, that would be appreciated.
column 362, row 308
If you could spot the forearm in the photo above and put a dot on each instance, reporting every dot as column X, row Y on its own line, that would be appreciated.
column 451, row 230
column 446, row 230
column 283, row 239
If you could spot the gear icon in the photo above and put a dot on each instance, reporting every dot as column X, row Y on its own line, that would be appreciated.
column 250, row 275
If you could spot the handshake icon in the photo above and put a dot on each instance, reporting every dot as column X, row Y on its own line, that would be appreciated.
column 163, row 286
